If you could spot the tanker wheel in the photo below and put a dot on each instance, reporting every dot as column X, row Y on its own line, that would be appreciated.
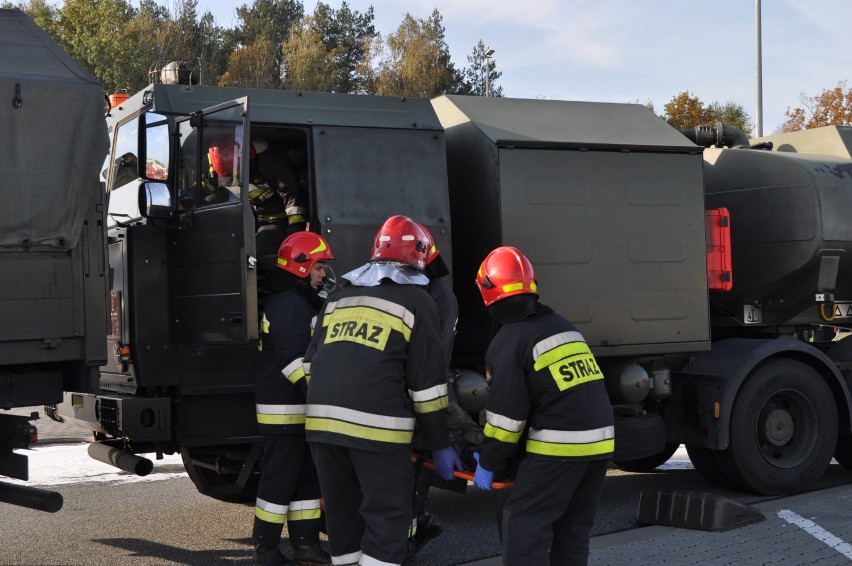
column 648, row 463
column 843, row 451
column 704, row 460
column 783, row 430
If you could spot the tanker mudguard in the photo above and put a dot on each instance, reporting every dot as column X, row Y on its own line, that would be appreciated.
column 733, row 360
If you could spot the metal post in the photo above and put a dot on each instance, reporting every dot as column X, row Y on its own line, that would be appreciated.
column 488, row 54
column 758, row 76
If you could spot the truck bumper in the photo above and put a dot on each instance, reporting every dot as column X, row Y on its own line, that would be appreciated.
column 141, row 419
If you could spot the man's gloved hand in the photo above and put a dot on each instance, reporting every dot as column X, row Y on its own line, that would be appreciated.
column 446, row 461
column 482, row 478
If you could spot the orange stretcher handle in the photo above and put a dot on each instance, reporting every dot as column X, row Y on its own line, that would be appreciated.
column 466, row 475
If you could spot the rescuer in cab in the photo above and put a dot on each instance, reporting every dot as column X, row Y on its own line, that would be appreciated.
column 546, row 387
column 378, row 367
column 289, row 489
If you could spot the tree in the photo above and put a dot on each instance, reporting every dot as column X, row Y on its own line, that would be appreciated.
column 474, row 77
column 831, row 107
column 344, row 33
column 414, row 61
column 307, row 63
column 687, row 111
column 253, row 66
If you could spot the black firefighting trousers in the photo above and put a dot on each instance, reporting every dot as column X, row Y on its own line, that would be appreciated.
column 550, row 512
column 367, row 502
column 289, row 489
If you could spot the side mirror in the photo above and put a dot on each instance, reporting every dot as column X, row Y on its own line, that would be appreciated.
column 155, row 200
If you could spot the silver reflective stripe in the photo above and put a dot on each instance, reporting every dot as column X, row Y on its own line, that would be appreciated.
column 313, row 324
column 280, row 409
column 346, row 559
column 504, row 422
column 383, row 305
column 428, row 394
column 573, row 436
column 303, row 505
column 307, row 366
column 271, row 507
column 359, row 417
column 556, row 340
column 291, row 367
column 291, row 210
column 367, row 560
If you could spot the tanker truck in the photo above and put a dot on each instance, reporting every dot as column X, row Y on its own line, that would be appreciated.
column 52, row 240
column 706, row 275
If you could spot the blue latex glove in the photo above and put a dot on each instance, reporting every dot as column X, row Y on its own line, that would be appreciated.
column 446, row 461
column 482, row 478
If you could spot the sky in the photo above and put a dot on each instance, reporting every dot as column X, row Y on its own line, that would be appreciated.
column 637, row 51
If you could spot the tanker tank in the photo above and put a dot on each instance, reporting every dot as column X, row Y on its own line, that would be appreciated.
column 791, row 237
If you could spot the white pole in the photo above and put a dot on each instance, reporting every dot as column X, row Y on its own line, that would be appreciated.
column 758, row 76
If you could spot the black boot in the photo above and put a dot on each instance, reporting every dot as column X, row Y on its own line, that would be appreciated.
column 428, row 528
column 270, row 556
column 310, row 554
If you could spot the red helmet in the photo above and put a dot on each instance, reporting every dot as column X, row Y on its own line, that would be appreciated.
column 431, row 249
column 300, row 251
column 402, row 239
column 504, row 273
column 221, row 154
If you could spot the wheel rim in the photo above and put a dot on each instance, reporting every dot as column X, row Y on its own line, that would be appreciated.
column 786, row 429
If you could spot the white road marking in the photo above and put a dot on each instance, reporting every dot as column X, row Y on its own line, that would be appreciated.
column 817, row 532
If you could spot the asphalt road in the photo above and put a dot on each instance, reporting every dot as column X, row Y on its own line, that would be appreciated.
column 169, row 522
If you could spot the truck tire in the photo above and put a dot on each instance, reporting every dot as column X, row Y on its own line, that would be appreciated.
column 638, row 437
column 648, row 463
column 704, row 460
column 784, row 428
column 843, row 451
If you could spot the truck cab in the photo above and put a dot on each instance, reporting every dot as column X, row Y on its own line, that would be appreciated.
column 185, row 271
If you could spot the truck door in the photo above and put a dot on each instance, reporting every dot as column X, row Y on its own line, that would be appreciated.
column 212, row 258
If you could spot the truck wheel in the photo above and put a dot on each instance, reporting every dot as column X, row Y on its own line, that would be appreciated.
column 784, row 429
column 649, row 463
column 705, row 462
column 843, row 452
column 639, row 437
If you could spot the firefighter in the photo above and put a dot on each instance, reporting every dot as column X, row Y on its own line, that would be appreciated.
column 224, row 169
column 377, row 368
column 289, row 488
column 428, row 526
column 546, row 387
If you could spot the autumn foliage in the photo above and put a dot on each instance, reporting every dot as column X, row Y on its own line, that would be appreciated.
column 831, row 107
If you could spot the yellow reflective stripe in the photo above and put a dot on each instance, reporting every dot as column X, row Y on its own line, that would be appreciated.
column 431, row 406
column 270, row 512
column 304, row 510
column 268, row 517
column 360, row 417
column 280, row 419
column 294, row 371
column 560, row 353
column 384, row 305
column 502, row 435
column 576, row 450
column 513, row 287
column 363, row 325
column 305, row 515
column 358, row 431
column 280, row 414
column 296, row 219
column 264, row 324
column 572, row 442
column 505, row 423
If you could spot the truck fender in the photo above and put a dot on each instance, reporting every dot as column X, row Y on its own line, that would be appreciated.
column 733, row 360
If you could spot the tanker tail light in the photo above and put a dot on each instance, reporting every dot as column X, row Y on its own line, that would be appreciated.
column 717, row 224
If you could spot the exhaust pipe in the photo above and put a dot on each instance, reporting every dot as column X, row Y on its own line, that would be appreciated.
column 31, row 497
column 126, row 461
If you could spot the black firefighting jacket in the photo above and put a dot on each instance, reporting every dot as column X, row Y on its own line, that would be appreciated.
column 376, row 367
column 546, row 387
column 285, row 331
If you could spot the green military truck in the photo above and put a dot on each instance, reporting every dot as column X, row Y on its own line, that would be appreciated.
column 707, row 276
column 52, row 238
